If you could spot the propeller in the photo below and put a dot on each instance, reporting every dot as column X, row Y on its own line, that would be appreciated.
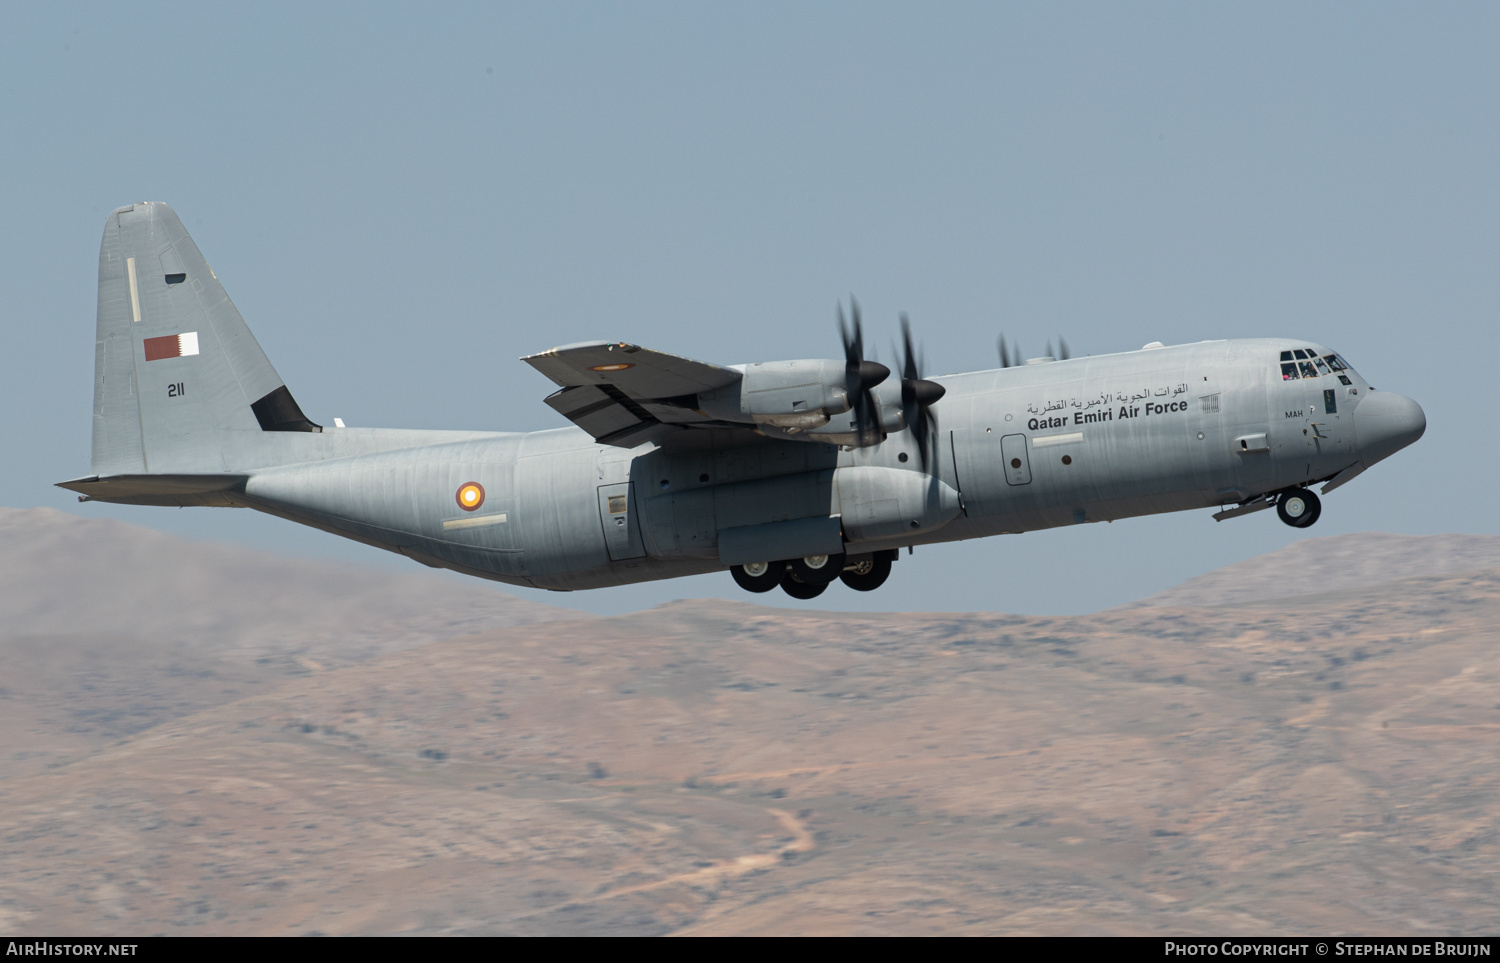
column 1009, row 359
column 860, row 375
column 917, row 394
column 1006, row 358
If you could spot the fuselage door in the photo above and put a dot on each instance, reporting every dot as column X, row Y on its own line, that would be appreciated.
column 1328, row 441
column 622, row 534
column 1017, row 467
column 1324, row 416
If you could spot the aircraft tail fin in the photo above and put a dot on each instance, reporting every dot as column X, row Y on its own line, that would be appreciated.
column 180, row 383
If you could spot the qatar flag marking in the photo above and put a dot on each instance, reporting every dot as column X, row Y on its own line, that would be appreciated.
column 172, row 346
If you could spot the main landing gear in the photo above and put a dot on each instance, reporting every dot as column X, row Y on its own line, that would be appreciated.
column 798, row 589
column 868, row 575
column 807, row 578
column 1298, row 507
column 757, row 576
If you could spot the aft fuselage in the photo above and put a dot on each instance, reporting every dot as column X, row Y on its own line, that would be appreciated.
column 1017, row 449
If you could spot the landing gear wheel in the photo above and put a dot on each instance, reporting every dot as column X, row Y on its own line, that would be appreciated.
column 1298, row 507
column 801, row 590
column 869, row 575
column 758, row 576
column 817, row 569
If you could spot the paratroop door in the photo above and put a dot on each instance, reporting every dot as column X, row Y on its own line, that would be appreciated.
column 622, row 534
column 1017, row 467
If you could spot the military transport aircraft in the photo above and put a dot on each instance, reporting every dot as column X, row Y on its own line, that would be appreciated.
column 786, row 473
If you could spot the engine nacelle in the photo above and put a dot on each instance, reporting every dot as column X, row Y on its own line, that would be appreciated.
column 843, row 429
column 792, row 395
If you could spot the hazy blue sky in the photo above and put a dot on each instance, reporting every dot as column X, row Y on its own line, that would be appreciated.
column 402, row 200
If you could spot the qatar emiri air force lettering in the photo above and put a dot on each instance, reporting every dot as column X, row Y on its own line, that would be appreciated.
column 786, row 474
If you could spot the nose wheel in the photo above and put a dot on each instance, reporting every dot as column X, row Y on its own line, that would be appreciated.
column 1298, row 507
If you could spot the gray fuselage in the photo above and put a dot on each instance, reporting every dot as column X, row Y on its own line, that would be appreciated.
column 786, row 473
column 1021, row 448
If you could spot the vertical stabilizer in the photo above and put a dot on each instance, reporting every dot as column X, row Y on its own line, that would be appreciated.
column 179, row 380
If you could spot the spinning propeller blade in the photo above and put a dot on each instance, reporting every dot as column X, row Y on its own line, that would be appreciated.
column 860, row 375
column 917, row 395
column 1010, row 353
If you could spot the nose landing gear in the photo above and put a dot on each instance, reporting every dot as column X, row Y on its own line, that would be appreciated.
column 1298, row 507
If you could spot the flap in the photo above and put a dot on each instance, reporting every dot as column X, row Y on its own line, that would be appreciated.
column 607, row 414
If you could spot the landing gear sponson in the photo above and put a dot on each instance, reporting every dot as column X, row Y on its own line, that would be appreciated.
column 807, row 578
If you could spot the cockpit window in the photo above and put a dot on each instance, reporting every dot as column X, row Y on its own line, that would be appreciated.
column 1304, row 363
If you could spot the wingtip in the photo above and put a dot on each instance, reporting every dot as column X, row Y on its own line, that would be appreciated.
column 148, row 207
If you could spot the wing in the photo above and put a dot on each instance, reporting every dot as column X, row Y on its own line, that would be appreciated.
column 623, row 394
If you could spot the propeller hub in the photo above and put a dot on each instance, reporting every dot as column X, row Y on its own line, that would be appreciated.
column 920, row 391
column 872, row 373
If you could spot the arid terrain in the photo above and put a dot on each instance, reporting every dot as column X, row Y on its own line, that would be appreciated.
column 288, row 747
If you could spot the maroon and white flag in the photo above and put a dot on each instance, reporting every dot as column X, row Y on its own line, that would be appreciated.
column 172, row 346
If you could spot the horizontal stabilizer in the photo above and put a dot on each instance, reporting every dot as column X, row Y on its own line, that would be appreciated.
column 179, row 490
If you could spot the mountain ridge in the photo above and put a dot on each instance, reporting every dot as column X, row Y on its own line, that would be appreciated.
column 1328, row 761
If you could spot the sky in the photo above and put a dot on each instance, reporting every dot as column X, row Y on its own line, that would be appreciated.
column 402, row 200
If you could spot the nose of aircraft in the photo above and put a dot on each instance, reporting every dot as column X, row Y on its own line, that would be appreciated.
column 1385, row 423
